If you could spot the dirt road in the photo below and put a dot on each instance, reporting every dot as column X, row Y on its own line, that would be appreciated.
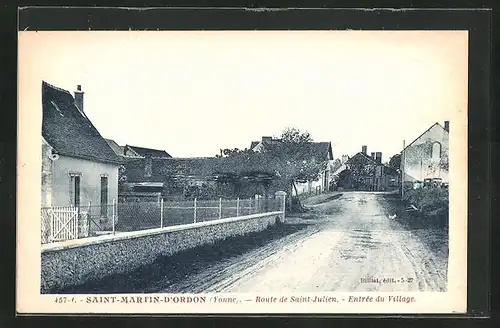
column 352, row 242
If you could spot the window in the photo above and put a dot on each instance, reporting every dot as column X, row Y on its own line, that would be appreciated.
column 436, row 151
column 104, row 196
column 75, row 189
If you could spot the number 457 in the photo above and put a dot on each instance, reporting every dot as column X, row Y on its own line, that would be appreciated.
column 60, row 299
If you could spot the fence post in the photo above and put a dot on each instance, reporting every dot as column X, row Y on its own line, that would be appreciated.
column 89, row 218
column 238, row 206
column 114, row 203
column 195, row 210
column 220, row 208
column 283, row 206
column 281, row 196
column 161, row 213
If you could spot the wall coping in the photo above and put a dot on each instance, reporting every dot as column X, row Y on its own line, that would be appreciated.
column 68, row 244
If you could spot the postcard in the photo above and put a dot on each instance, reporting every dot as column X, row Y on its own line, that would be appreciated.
column 213, row 172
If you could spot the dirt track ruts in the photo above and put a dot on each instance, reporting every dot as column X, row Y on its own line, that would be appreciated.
column 349, row 241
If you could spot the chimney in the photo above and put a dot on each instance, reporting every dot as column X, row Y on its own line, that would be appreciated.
column 447, row 125
column 378, row 157
column 148, row 168
column 363, row 149
column 79, row 97
column 372, row 155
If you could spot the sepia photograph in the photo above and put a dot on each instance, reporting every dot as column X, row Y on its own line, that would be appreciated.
column 267, row 168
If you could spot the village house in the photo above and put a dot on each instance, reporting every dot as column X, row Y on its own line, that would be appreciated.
column 143, row 190
column 129, row 151
column 426, row 157
column 320, row 151
column 78, row 166
column 366, row 172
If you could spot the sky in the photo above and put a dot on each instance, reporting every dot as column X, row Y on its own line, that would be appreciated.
column 193, row 93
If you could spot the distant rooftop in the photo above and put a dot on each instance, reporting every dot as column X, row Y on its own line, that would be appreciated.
column 149, row 151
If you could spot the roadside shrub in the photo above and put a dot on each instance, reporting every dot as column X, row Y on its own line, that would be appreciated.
column 428, row 200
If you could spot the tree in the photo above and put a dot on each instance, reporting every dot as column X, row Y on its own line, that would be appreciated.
column 291, row 158
column 360, row 169
column 295, row 160
column 295, row 136
column 337, row 163
column 122, row 178
column 230, row 152
column 395, row 162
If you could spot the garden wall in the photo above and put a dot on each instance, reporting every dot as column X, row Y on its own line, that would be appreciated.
column 74, row 262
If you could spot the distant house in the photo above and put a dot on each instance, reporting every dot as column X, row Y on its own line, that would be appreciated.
column 141, row 190
column 135, row 152
column 122, row 151
column 366, row 172
column 320, row 151
column 78, row 166
column 426, row 157
column 144, row 152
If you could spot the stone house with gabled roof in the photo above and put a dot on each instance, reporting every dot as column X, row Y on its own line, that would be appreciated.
column 78, row 166
column 426, row 157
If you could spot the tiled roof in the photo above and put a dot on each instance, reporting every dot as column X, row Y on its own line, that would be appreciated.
column 116, row 147
column 253, row 144
column 149, row 152
column 365, row 156
column 69, row 131
column 387, row 169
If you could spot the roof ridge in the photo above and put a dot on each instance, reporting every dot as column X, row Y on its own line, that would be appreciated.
column 364, row 155
column 411, row 143
column 145, row 148
column 45, row 83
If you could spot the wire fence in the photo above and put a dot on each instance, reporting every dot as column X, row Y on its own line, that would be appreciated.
column 317, row 190
column 64, row 223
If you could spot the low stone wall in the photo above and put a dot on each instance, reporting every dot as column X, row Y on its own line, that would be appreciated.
column 74, row 262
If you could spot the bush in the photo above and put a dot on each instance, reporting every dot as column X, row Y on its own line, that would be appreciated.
column 204, row 191
column 428, row 199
